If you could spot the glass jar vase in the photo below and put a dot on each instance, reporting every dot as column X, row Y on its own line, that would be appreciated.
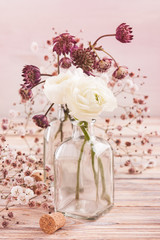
column 83, row 174
column 54, row 134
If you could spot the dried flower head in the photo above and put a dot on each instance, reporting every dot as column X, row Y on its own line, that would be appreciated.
column 123, row 33
column 65, row 62
column 103, row 65
column 121, row 72
column 41, row 121
column 83, row 58
column 10, row 215
column 5, row 224
column 32, row 76
column 63, row 43
column 25, row 93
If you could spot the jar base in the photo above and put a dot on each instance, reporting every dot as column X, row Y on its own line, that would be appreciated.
column 85, row 209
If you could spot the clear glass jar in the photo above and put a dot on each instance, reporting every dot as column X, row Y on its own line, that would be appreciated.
column 83, row 174
column 53, row 136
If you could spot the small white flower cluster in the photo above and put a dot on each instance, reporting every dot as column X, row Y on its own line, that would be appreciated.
column 29, row 181
column 131, row 85
column 21, row 195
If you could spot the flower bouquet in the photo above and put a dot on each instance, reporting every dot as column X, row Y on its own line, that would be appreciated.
column 84, row 81
column 83, row 85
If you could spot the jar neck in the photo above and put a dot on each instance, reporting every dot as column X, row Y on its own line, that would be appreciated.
column 61, row 114
column 83, row 128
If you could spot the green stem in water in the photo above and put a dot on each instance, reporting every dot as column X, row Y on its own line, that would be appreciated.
column 60, row 130
column 102, row 175
column 84, row 126
column 78, row 169
column 104, row 192
column 94, row 171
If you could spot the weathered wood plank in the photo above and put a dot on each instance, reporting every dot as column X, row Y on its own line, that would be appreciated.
column 120, row 223
column 135, row 216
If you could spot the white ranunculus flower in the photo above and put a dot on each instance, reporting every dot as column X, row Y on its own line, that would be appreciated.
column 55, row 87
column 88, row 96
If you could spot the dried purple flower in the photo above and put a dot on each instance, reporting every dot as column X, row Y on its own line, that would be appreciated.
column 10, row 214
column 120, row 72
column 103, row 65
column 32, row 76
column 123, row 33
column 65, row 62
column 5, row 224
column 4, row 172
column 41, row 121
column 32, row 204
column 83, row 58
column 45, row 205
column 63, row 43
column 25, row 93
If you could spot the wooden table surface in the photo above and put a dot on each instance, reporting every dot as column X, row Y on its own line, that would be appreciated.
column 135, row 215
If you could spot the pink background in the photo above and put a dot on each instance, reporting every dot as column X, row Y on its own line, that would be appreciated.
column 24, row 21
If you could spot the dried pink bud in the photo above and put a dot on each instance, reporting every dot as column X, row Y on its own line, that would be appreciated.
column 149, row 151
column 51, row 178
column 25, row 93
column 121, row 72
column 32, row 204
column 7, row 161
column 47, row 168
column 107, row 120
column 10, row 214
column 5, row 224
column 4, row 127
column 27, row 173
column 132, row 170
column 119, row 128
column 128, row 144
column 123, row 116
column 41, row 121
column 127, row 163
column 123, row 33
column 135, row 100
column 139, row 121
column 140, row 101
column 5, row 172
column 65, row 62
column 38, row 192
column 103, row 65
column 118, row 142
column 45, row 205
column 130, row 115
